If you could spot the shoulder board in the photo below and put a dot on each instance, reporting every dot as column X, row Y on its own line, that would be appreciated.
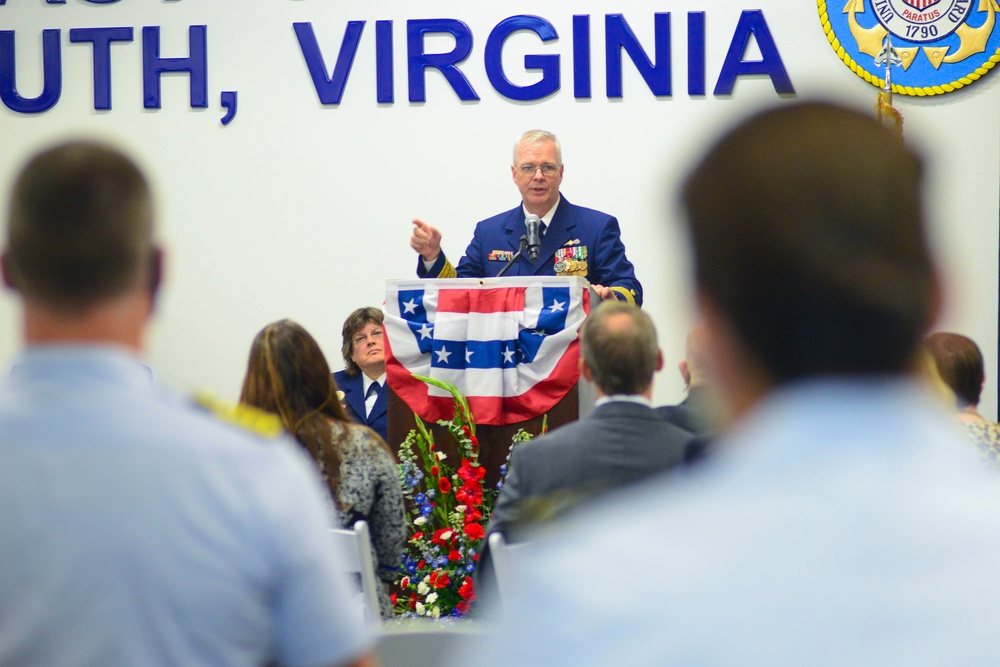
column 248, row 418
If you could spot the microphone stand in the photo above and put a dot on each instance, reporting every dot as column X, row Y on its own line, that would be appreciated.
column 517, row 255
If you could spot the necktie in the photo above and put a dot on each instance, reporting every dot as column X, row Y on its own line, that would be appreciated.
column 371, row 397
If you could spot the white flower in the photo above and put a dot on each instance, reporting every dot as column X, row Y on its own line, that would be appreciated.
column 446, row 535
column 423, row 588
column 432, row 598
column 460, row 509
column 420, row 609
column 419, row 521
column 435, row 612
column 440, row 456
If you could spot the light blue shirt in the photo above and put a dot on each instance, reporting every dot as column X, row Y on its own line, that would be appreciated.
column 842, row 523
column 136, row 529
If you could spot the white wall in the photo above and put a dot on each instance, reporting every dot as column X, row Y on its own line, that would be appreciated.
column 299, row 210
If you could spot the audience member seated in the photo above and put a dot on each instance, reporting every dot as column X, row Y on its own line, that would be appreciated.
column 698, row 412
column 363, row 379
column 959, row 363
column 622, row 441
column 288, row 375
column 138, row 528
column 839, row 521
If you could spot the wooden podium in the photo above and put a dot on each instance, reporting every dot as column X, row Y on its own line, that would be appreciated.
column 494, row 441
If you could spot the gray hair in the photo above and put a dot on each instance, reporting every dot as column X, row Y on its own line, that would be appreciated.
column 537, row 137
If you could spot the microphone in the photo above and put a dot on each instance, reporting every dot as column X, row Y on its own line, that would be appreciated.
column 532, row 222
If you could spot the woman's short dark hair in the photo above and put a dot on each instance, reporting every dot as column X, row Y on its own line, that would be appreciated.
column 960, row 364
column 354, row 323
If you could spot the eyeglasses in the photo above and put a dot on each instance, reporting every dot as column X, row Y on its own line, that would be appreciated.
column 548, row 170
column 359, row 339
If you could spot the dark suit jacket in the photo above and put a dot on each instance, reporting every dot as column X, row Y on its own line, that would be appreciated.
column 595, row 232
column 354, row 403
column 618, row 443
column 693, row 414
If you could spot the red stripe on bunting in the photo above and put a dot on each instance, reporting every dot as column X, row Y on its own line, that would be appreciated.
column 499, row 300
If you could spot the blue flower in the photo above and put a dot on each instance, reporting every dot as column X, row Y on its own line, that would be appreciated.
column 442, row 561
column 420, row 498
column 411, row 567
column 470, row 567
column 503, row 470
column 426, row 509
column 431, row 493
column 418, row 474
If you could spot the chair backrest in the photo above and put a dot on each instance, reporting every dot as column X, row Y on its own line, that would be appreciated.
column 506, row 558
column 354, row 547
column 420, row 642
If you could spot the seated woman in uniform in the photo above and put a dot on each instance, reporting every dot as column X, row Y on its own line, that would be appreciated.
column 288, row 375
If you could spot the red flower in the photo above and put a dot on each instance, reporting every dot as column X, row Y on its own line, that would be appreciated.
column 435, row 471
column 439, row 579
column 470, row 494
column 475, row 557
column 444, row 484
column 417, row 535
column 462, row 607
column 473, row 515
column 392, row 599
column 467, row 590
column 454, row 555
column 471, row 473
column 475, row 441
column 413, row 602
column 475, row 531
column 422, row 564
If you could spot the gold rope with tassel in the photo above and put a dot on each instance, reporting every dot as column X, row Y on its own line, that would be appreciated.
column 887, row 114
column 884, row 111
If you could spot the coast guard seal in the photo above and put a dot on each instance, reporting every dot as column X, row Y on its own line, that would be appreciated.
column 942, row 45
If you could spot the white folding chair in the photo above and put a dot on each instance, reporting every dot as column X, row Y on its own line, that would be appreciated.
column 425, row 643
column 506, row 559
column 354, row 547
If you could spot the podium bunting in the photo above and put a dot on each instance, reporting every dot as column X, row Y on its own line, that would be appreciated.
column 509, row 344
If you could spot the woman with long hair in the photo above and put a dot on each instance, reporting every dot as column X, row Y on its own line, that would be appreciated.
column 288, row 375
column 959, row 362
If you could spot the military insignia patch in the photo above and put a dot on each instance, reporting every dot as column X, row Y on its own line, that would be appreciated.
column 938, row 46
column 500, row 255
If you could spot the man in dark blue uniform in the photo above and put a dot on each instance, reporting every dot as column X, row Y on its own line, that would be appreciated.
column 362, row 381
column 575, row 240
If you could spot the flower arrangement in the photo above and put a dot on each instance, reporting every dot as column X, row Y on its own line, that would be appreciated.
column 448, row 510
